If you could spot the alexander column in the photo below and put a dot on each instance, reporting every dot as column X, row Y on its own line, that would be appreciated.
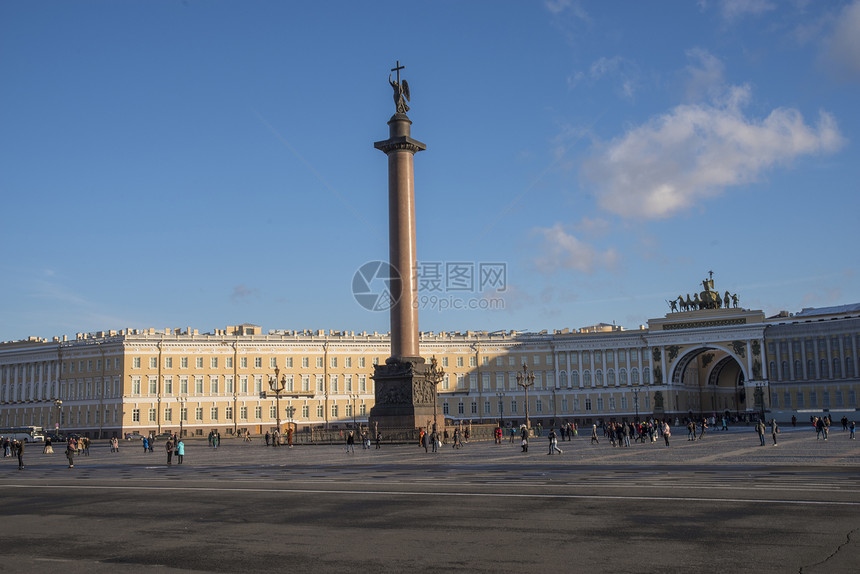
column 405, row 396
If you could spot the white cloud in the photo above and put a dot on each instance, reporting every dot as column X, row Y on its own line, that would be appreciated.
column 842, row 47
column 620, row 70
column 695, row 151
column 732, row 9
column 562, row 250
column 705, row 75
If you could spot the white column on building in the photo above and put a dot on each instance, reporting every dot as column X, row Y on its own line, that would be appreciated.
column 666, row 379
column 603, row 367
column 579, row 366
column 591, row 368
column 817, row 353
column 567, row 367
column 750, row 359
column 803, row 359
column 829, row 349
column 778, row 353
column 791, row 372
column 842, row 357
column 764, row 370
column 555, row 360
column 627, row 355
column 854, row 352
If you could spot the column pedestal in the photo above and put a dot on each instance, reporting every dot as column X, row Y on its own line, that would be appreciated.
column 404, row 395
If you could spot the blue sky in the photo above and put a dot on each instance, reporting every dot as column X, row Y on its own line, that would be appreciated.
column 203, row 164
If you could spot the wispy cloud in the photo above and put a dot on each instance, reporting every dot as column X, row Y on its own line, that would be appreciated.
column 841, row 52
column 242, row 292
column 563, row 250
column 734, row 9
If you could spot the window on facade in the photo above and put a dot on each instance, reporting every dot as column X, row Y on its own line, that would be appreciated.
column 152, row 415
column 228, row 362
column 813, row 399
column 305, row 362
column 168, row 385
column 243, row 362
column 168, row 415
column 258, row 412
column 588, row 403
column 273, row 362
column 198, row 385
column 213, row 413
column 168, row 362
column 153, row 363
column 228, row 413
column 306, row 411
column 135, row 415
column 135, row 386
column 135, row 364
column 213, row 362
column 213, row 385
column 198, row 414
column 319, row 362
column 258, row 362
column 199, row 362
column 600, row 403
column 183, row 362
column 799, row 400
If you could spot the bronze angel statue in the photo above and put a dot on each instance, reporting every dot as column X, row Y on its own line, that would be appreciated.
column 401, row 93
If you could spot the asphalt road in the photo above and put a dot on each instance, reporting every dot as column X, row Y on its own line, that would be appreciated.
column 721, row 504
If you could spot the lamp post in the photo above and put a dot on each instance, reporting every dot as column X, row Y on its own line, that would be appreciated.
column 59, row 404
column 636, row 402
column 435, row 376
column 182, row 413
column 501, row 409
column 277, row 386
column 526, row 379
column 352, row 397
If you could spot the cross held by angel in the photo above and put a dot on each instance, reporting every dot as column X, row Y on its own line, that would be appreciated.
column 401, row 90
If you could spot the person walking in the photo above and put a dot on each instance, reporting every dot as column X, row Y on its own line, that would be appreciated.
column 268, row 438
column 115, row 441
column 666, row 433
column 553, row 442
column 774, row 430
column 704, row 428
column 378, row 440
column 594, row 438
column 48, row 448
column 180, row 451
column 145, row 444
column 19, row 452
column 168, row 446
column 760, row 429
column 71, row 447
column 350, row 443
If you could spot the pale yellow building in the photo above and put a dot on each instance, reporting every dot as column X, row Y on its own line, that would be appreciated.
column 705, row 362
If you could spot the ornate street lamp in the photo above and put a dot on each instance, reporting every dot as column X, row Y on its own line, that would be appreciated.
column 59, row 404
column 526, row 379
column 182, row 412
column 501, row 409
column 636, row 402
column 277, row 386
column 435, row 376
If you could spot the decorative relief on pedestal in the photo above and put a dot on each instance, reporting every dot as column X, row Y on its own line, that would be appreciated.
column 740, row 348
